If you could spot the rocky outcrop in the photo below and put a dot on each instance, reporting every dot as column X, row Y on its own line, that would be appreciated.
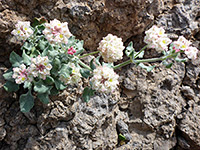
column 156, row 110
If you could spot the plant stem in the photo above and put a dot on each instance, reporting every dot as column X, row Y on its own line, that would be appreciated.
column 92, row 53
column 141, row 51
column 123, row 64
column 142, row 61
column 84, row 65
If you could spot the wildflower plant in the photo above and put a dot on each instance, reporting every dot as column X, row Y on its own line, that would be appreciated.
column 51, row 60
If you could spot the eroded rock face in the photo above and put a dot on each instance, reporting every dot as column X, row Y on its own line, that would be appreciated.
column 88, row 20
column 157, row 110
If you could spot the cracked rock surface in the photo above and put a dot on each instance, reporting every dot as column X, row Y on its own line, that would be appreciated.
column 153, row 110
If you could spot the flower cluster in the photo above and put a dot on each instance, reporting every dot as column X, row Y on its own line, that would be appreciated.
column 40, row 67
column 57, row 32
column 71, row 51
column 21, row 74
column 184, row 45
column 74, row 78
column 111, row 48
column 23, row 30
column 104, row 79
column 156, row 38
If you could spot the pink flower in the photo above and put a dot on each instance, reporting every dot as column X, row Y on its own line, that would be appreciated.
column 71, row 51
column 21, row 74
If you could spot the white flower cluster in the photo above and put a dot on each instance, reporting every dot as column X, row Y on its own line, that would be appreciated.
column 104, row 79
column 156, row 38
column 57, row 32
column 23, row 30
column 40, row 67
column 74, row 78
column 184, row 45
column 111, row 48
column 21, row 74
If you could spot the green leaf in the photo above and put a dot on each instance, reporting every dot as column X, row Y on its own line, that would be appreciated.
column 39, row 29
column 38, row 21
column 27, row 46
column 65, row 70
column 60, row 85
column 110, row 65
column 48, row 48
column 79, row 45
column 130, row 50
column 15, row 59
column 166, row 64
column 8, row 75
column 54, row 91
column 141, row 54
column 27, row 85
column 26, row 101
column 92, row 66
column 11, row 86
column 97, row 60
column 44, row 97
column 53, row 53
column 148, row 68
column 26, row 58
column 85, row 73
column 35, row 53
column 87, row 93
column 121, row 137
column 40, row 87
column 42, row 44
column 71, row 40
column 56, row 66
column 181, row 60
column 49, row 80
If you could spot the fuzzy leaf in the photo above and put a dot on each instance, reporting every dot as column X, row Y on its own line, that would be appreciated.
column 130, row 50
column 166, row 64
column 92, row 66
column 42, row 44
column 40, row 87
column 54, row 91
column 85, row 73
column 27, row 46
column 60, row 85
column 26, row 58
column 66, row 71
column 49, row 80
column 148, row 68
column 87, row 93
column 11, row 86
column 140, row 55
column 8, row 75
column 97, row 60
column 56, row 66
column 44, row 98
column 15, row 59
column 181, row 60
column 27, row 85
column 26, row 101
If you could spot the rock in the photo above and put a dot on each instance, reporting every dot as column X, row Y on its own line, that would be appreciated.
column 87, row 20
column 155, row 110
column 123, row 129
column 181, row 18
column 55, row 139
column 189, row 126
column 2, row 133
